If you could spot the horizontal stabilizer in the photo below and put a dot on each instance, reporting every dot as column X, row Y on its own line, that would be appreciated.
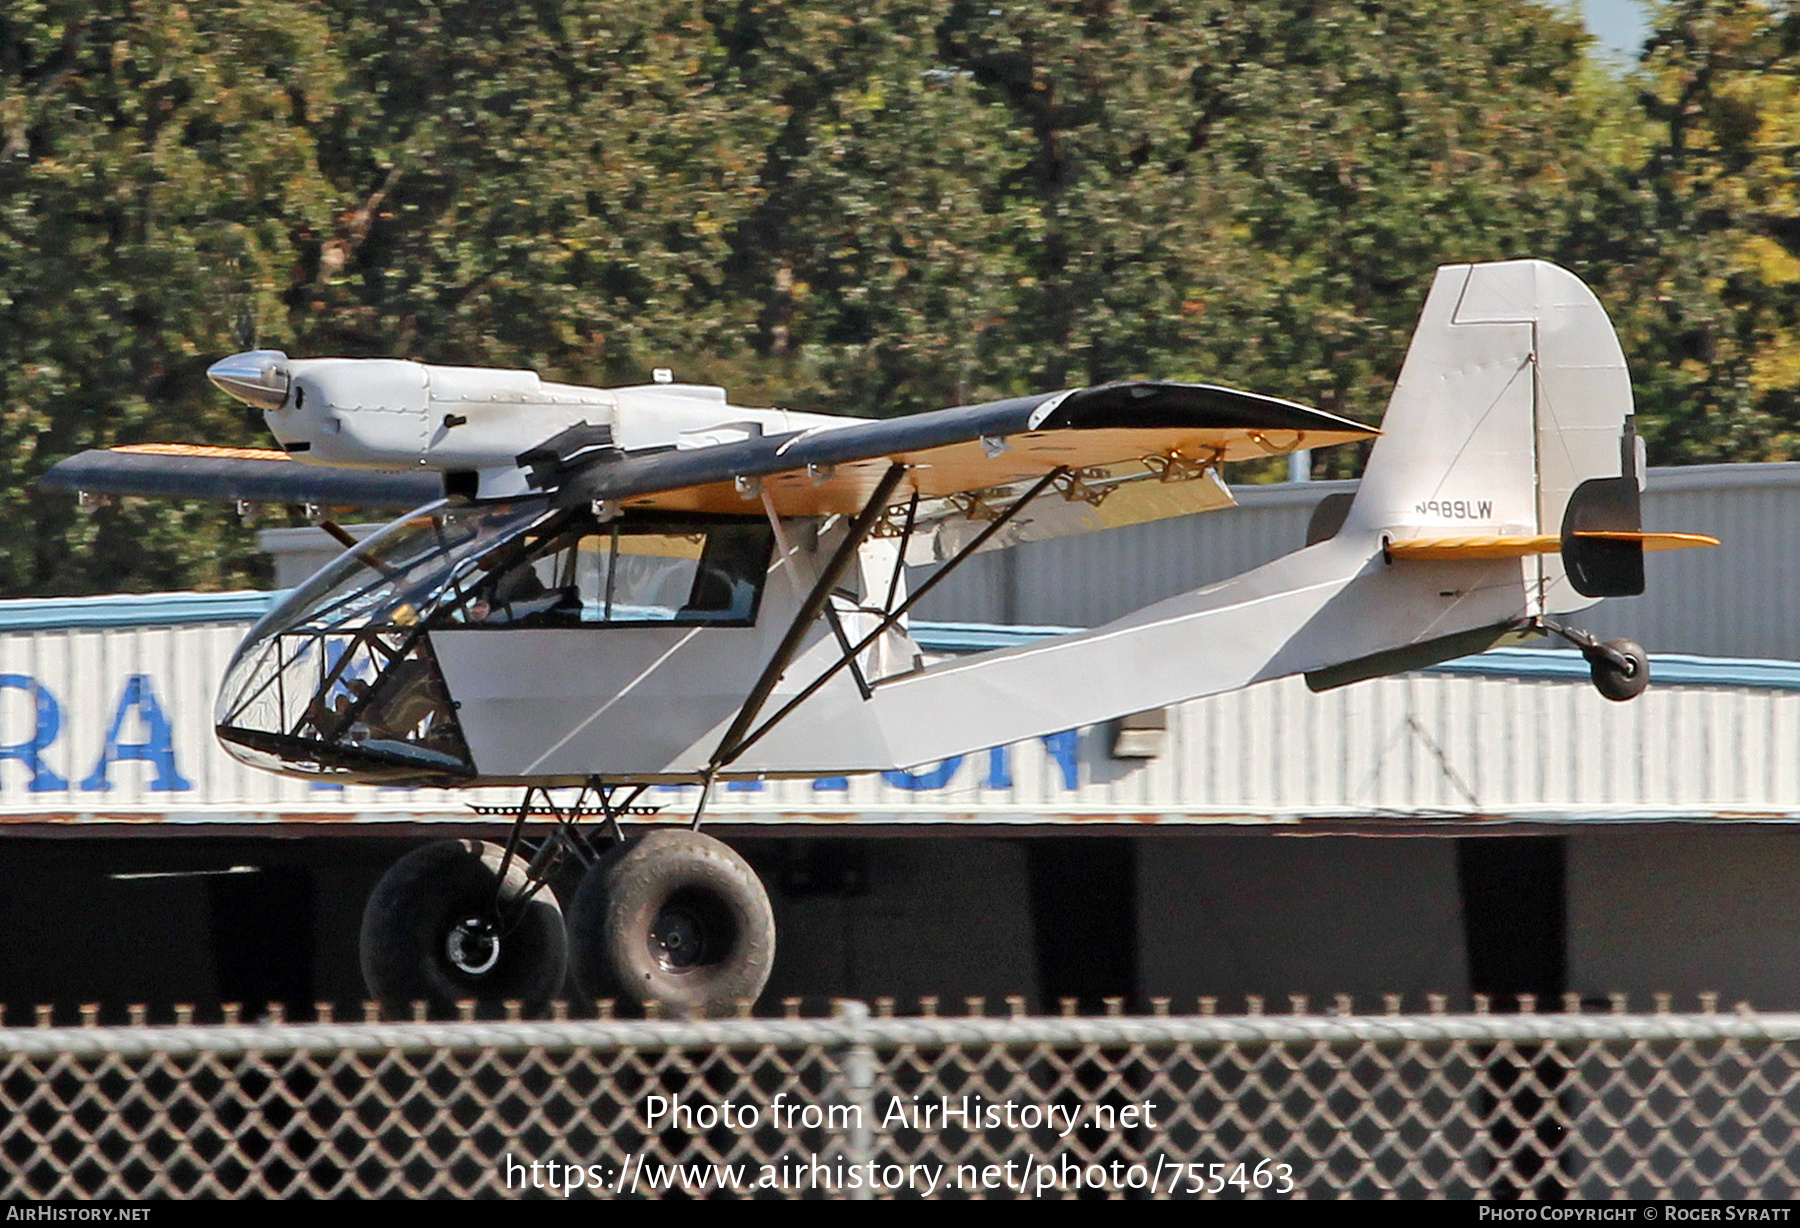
column 1474, row 549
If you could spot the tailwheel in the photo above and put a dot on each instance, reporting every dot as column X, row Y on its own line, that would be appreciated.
column 674, row 918
column 443, row 926
column 1619, row 668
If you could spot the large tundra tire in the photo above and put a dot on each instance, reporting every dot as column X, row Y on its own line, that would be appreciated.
column 430, row 933
column 674, row 918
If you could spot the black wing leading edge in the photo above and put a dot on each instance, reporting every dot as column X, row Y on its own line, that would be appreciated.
column 1094, row 423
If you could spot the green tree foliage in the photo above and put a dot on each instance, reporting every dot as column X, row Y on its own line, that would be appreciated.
column 1693, row 235
column 154, row 168
column 1055, row 194
column 873, row 207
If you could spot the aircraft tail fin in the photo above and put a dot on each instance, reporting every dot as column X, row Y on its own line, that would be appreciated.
column 1513, row 417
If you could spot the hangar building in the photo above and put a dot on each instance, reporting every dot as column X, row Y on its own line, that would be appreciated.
column 1487, row 826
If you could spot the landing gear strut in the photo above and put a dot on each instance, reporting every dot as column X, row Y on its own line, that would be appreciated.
column 1619, row 668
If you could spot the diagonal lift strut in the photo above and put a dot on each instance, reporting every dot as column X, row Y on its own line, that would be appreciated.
column 731, row 745
column 740, row 737
column 734, row 747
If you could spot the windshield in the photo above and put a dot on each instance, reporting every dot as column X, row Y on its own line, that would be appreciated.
column 401, row 574
column 340, row 677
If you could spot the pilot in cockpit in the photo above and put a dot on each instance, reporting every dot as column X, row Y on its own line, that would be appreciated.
column 519, row 596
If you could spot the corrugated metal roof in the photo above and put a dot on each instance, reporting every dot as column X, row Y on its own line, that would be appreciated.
column 187, row 608
column 1666, row 668
column 134, row 610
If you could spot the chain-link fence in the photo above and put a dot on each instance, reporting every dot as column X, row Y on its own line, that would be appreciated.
column 1521, row 1105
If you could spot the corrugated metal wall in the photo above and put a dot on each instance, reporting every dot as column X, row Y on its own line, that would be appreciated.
column 104, row 725
column 113, row 726
column 1086, row 580
column 1739, row 600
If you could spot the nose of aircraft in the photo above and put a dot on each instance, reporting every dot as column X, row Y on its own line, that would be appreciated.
column 256, row 377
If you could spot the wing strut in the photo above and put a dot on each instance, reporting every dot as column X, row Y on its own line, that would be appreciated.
column 888, row 620
column 789, row 564
column 736, row 741
column 731, row 745
column 906, row 531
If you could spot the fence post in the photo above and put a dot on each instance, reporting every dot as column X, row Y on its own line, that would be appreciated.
column 858, row 1066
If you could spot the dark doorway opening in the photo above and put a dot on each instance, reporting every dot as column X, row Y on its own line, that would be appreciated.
column 1084, row 919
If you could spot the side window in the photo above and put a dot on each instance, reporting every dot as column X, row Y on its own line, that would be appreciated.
column 639, row 576
column 730, row 576
column 624, row 574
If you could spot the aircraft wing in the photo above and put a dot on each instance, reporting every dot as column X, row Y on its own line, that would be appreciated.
column 249, row 475
column 970, row 448
column 1130, row 452
column 1133, row 451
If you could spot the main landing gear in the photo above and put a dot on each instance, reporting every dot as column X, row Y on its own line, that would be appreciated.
column 1619, row 668
column 672, row 918
column 446, row 923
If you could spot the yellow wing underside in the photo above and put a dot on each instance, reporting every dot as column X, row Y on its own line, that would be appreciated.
column 202, row 450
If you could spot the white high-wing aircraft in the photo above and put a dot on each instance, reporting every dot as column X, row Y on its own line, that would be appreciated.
column 610, row 588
